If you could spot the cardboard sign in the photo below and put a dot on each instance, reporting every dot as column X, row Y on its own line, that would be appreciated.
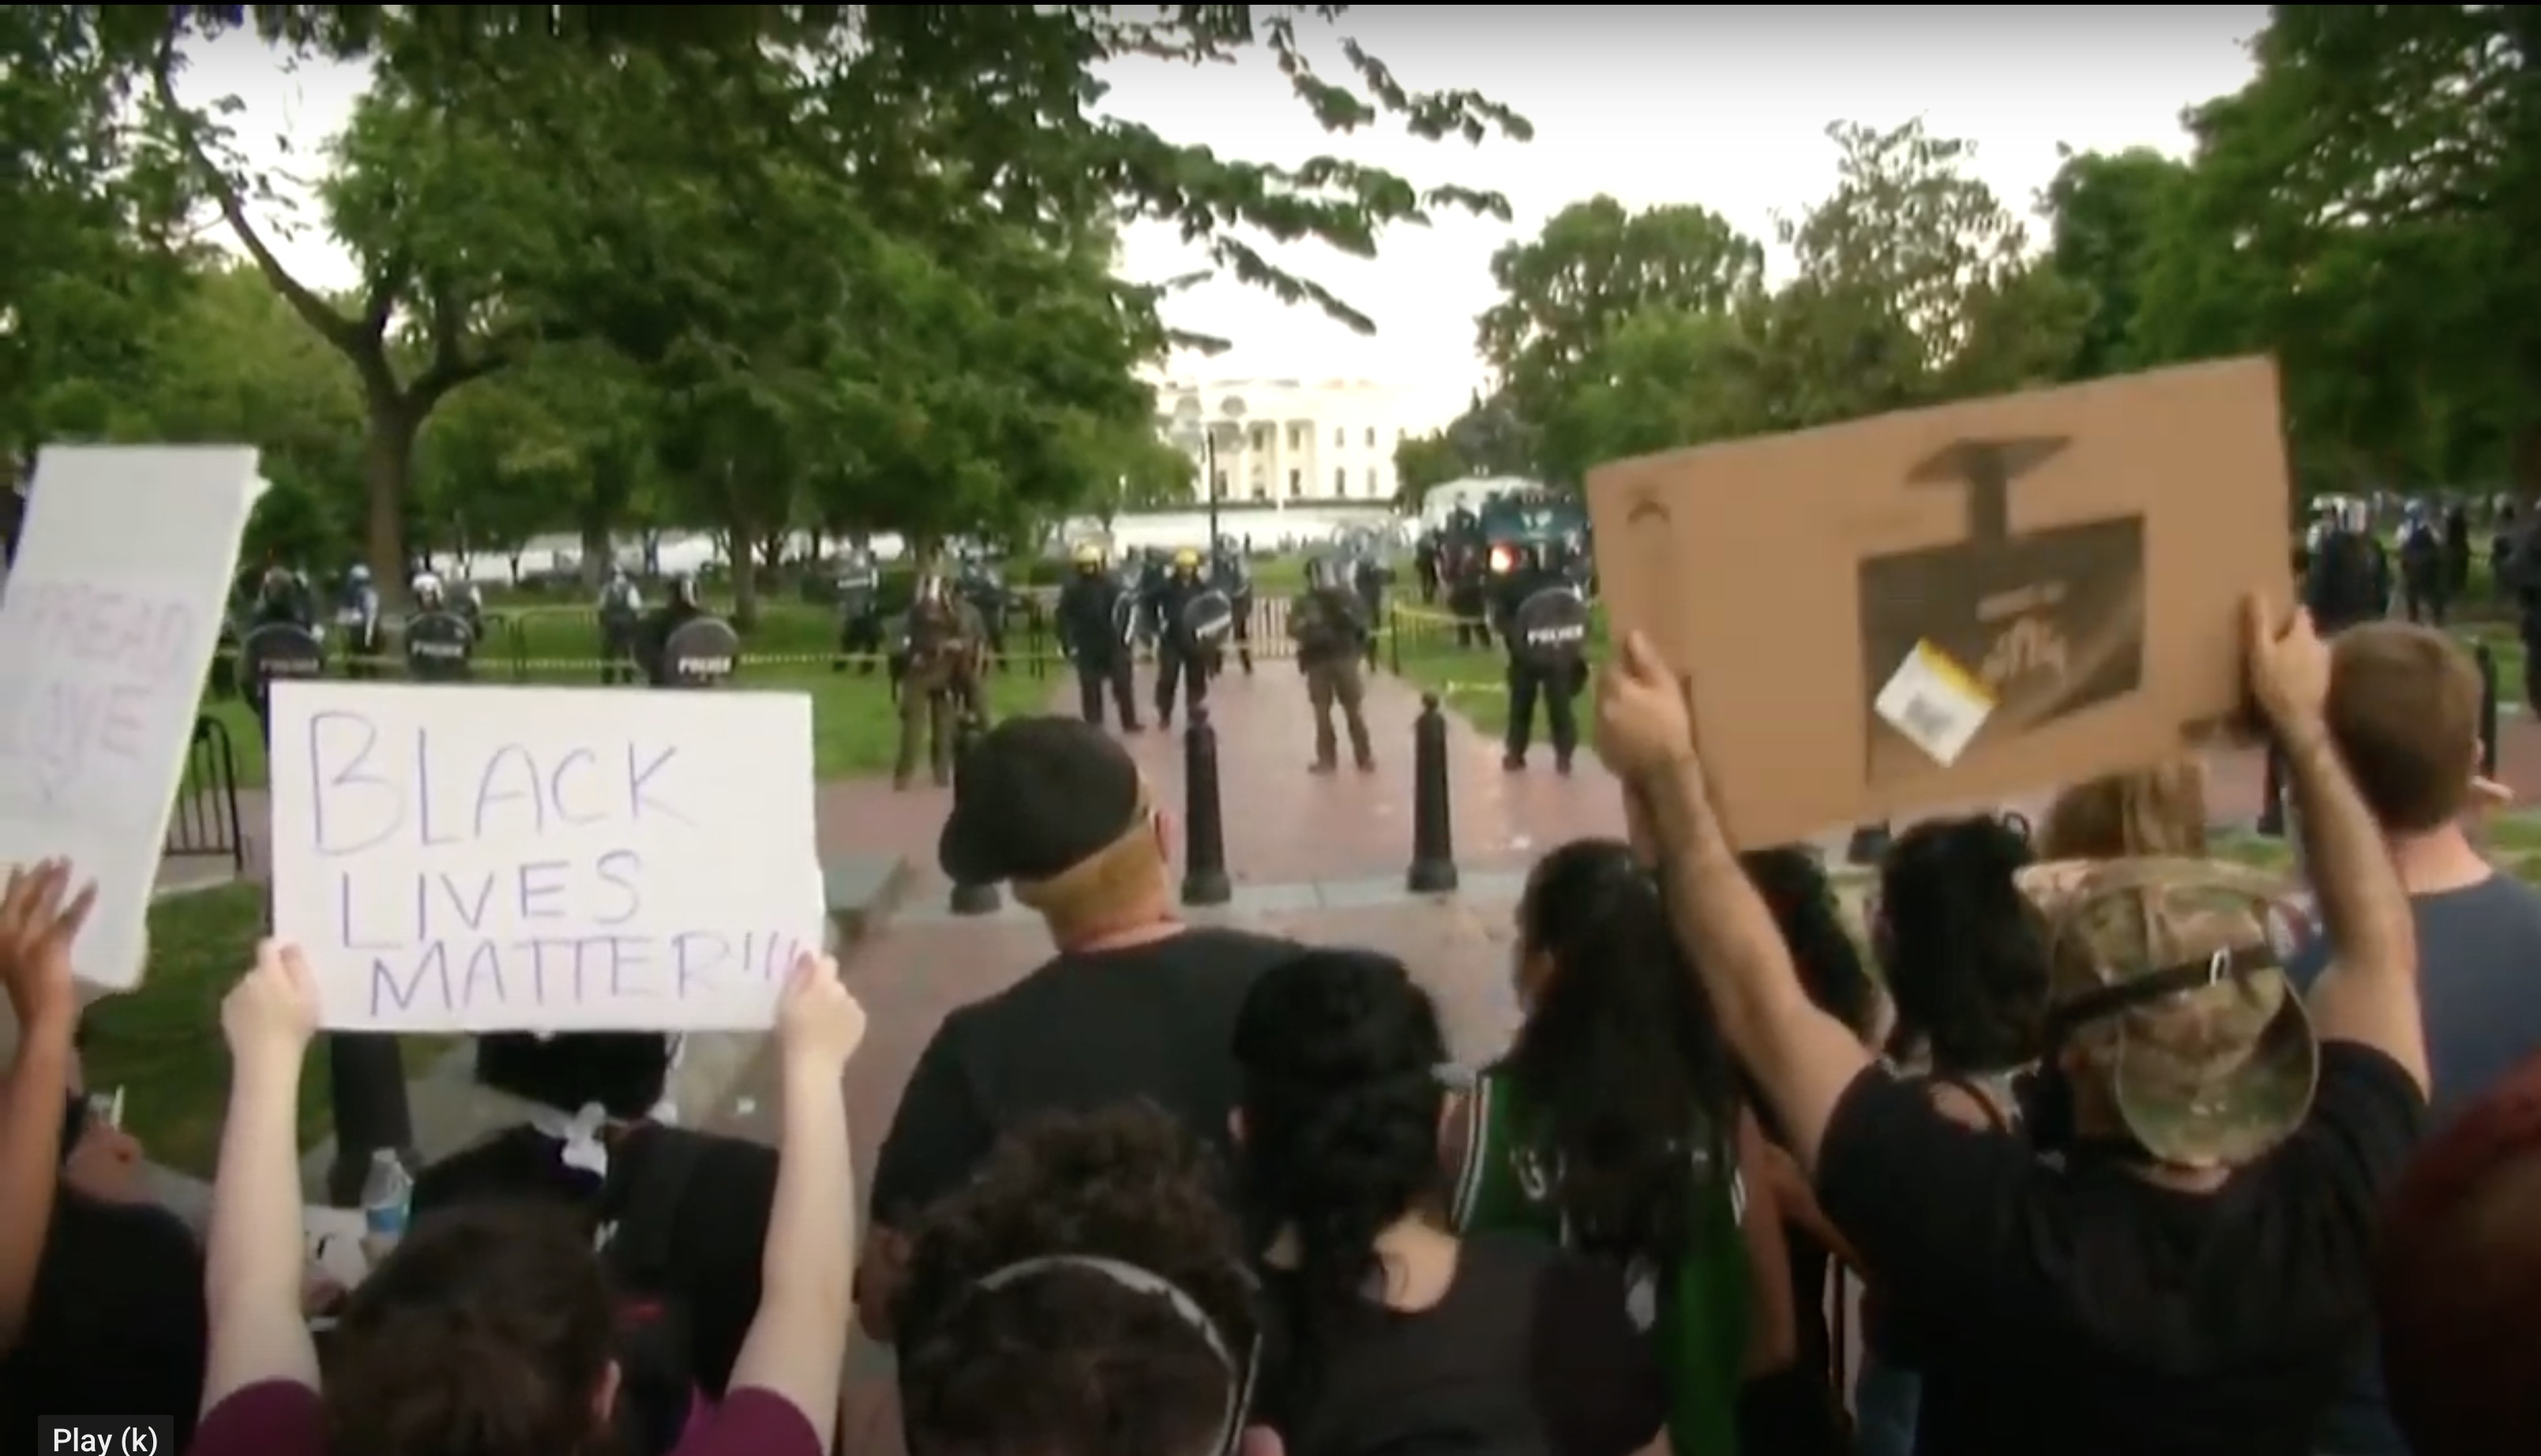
column 543, row 859
column 113, row 613
column 1953, row 606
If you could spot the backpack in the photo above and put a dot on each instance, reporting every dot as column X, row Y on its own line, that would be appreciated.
column 657, row 1396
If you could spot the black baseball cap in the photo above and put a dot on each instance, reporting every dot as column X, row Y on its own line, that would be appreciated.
column 1034, row 798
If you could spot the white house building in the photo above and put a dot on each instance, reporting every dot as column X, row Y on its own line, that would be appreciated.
column 1280, row 441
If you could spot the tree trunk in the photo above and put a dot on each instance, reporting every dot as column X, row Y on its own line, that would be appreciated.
column 388, row 460
column 744, row 575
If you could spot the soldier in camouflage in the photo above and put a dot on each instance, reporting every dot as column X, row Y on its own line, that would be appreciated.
column 947, row 642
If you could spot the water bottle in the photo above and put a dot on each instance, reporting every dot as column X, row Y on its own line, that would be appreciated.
column 388, row 1192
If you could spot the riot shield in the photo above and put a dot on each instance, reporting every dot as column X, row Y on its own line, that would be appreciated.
column 1550, row 632
column 1125, row 618
column 276, row 649
column 1206, row 618
column 438, row 648
column 701, row 652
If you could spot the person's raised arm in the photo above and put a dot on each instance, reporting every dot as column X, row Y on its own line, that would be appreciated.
column 1802, row 1057
column 36, row 933
column 2369, row 992
column 798, row 1341
column 255, row 1255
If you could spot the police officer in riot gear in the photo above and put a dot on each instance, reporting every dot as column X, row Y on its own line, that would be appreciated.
column 859, row 613
column 2425, row 580
column 1464, row 575
column 1153, row 573
column 1230, row 574
column 1180, row 661
column 1096, row 624
column 1371, row 576
column 2348, row 577
column 1330, row 633
column 283, row 597
column 680, row 605
column 621, row 616
column 941, row 688
column 1529, row 677
column 357, row 622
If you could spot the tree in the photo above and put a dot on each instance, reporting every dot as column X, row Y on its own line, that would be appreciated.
column 90, row 252
column 2363, row 208
column 2105, row 212
column 1913, row 287
column 1421, row 464
column 479, row 113
column 1567, row 293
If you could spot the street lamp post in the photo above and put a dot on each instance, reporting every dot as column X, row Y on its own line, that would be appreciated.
column 1191, row 434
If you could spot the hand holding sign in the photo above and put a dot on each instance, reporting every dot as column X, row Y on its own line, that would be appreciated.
column 1642, row 721
column 818, row 1022
column 272, row 1013
column 38, row 926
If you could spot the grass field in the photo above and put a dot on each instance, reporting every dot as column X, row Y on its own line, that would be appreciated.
column 162, row 1044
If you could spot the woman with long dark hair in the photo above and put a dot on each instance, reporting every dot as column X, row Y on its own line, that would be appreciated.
column 1965, row 952
column 1613, row 1127
column 1396, row 1330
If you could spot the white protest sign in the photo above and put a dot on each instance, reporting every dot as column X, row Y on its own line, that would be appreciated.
column 486, row 859
column 113, row 613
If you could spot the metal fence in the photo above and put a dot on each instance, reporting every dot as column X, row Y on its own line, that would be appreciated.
column 204, row 823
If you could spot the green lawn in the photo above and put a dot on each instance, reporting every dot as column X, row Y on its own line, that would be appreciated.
column 162, row 1044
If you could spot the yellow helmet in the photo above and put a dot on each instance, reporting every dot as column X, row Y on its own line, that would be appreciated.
column 1187, row 560
column 1089, row 555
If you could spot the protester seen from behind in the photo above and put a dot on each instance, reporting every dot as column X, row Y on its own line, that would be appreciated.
column 491, row 1328
column 2458, row 1287
column 679, row 1215
column 101, row 1290
column 1964, row 955
column 1613, row 1127
column 1058, row 808
column 1398, row 1333
column 2219, row 1160
column 2404, row 709
column 1085, row 1293
column 2160, row 810
column 1802, row 1410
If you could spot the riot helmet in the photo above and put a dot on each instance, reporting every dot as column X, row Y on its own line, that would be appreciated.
column 1089, row 560
column 1186, row 563
column 1325, row 573
column 357, row 575
column 427, row 591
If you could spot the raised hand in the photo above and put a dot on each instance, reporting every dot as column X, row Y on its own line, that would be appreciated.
column 39, row 920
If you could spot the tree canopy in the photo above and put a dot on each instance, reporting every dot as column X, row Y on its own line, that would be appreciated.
column 849, row 268
column 2360, row 209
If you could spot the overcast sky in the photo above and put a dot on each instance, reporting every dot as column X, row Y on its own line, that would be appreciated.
column 1723, row 104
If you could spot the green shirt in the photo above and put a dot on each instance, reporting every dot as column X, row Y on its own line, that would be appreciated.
column 1698, row 1312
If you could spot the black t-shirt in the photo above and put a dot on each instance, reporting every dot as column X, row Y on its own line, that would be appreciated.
column 116, row 1321
column 718, row 1224
column 1085, row 1031
column 1529, row 1352
column 2080, row 1310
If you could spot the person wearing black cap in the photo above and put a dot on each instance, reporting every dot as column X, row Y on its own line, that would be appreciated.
column 1134, row 1005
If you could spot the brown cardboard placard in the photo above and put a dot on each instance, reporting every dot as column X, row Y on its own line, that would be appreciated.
column 1955, row 604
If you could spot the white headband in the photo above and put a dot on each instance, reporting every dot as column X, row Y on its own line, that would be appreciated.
column 1147, row 1282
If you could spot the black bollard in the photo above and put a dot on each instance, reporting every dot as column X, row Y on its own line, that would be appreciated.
column 2487, row 663
column 970, row 899
column 1205, row 880
column 1434, row 830
column 365, row 1084
column 2272, row 795
column 1869, row 843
